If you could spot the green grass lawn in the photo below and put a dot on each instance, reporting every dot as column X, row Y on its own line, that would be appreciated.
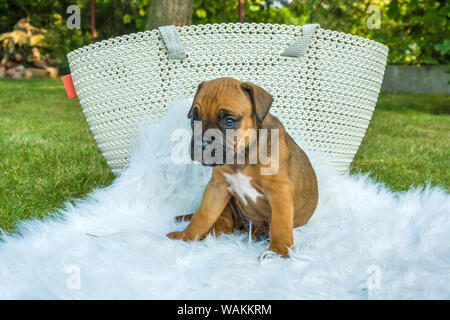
column 408, row 141
column 48, row 156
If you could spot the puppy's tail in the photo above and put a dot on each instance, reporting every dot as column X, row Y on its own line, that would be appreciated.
column 186, row 217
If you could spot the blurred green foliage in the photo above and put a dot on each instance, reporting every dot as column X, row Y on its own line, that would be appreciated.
column 423, row 29
column 416, row 31
column 113, row 18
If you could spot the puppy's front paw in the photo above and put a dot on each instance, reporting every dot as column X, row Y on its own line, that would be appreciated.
column 281, row 250
column 275, row 251
column 176, row 235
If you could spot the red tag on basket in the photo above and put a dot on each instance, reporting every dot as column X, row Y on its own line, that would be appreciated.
column 68, row 85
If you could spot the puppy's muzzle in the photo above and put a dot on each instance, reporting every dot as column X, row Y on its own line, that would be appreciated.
column 205, row 144
column 202, row 145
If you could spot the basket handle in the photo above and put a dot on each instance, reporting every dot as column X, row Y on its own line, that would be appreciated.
column 298, row 48
column 172, row 42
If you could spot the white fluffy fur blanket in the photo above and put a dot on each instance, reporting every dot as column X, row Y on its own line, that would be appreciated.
column 364, row 241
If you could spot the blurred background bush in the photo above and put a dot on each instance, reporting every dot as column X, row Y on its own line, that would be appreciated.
column 416, row 31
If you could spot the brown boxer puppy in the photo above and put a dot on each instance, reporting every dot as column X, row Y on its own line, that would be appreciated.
column 276, row 194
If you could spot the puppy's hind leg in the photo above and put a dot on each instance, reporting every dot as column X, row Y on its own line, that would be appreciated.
column 225, row 222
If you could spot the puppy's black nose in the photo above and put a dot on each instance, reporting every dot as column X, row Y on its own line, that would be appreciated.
column 205, row 144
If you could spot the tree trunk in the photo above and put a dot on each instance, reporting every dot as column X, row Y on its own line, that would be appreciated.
column 241, row 10
column 93, row 29
column 166, row 12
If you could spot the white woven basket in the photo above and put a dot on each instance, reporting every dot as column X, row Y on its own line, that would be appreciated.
column 325, row 83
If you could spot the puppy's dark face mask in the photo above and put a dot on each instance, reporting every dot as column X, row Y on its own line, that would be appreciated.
column 225, row 116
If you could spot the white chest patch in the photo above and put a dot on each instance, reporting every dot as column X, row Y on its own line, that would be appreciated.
column 240, row 184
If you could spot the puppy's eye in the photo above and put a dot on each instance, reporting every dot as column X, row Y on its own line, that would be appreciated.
column 230, row 122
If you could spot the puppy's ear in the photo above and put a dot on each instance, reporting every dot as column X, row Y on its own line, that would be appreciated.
column 260, row 98
column 192, row 107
